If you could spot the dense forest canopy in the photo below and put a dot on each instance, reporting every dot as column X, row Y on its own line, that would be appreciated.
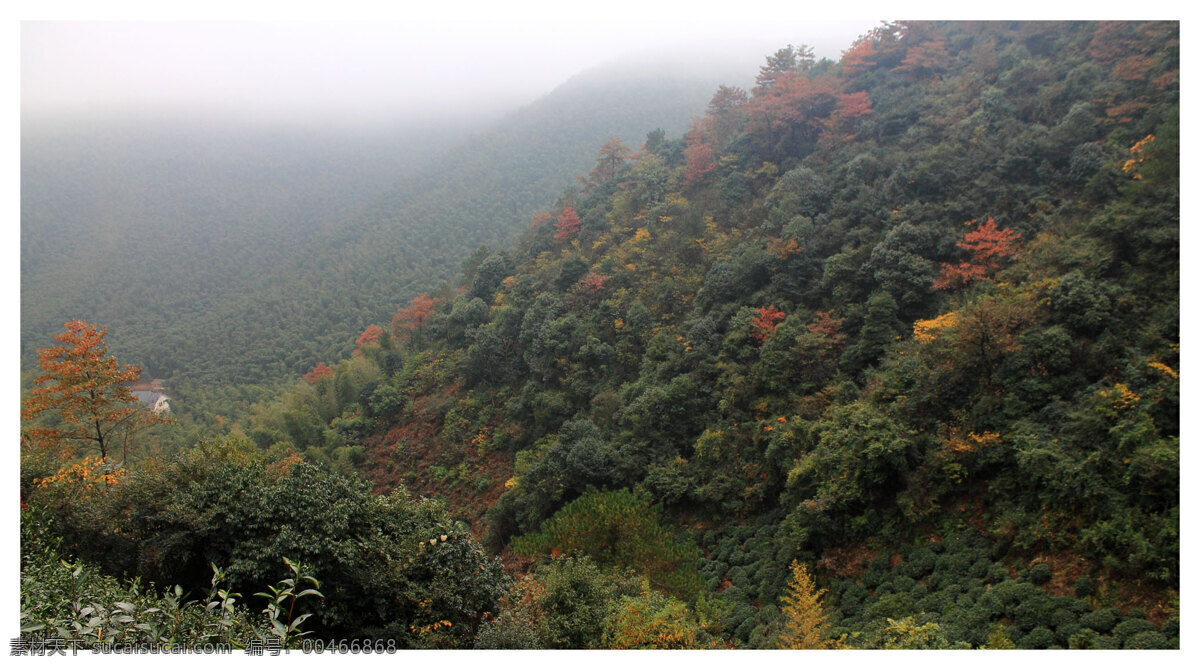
column 877, row 353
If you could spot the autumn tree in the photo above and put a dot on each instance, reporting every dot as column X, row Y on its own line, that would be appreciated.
column 763, row 325
column 81, row 397
column 987, row 244
column 700, row 162
column 859, row 57
column 925, row 59
column 805, row 619
column 413, row 317
column 567, row 225
column 611, row 161
column 321, row 371
column 371, row 336
column 850, row 107
column 654, row 620
column 788, row 117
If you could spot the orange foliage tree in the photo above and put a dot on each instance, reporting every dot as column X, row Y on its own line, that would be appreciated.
column 882, row 46
column 611, row 160
column 408, row 319
column 794, row 108
column 371, row 335
column 987, row 244
column 318, row 373
column 763, row 325
column 925, row 59
column 81, row 397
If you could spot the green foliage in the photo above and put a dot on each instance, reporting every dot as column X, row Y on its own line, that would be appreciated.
column 390, row 566
column 566, row 603
column 906, row 633
column 283, row 598
column 75, row 601
column 619, row 529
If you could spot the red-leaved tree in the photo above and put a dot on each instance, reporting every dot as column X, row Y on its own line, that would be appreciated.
column 700, row 162
column 763, row 325
column 321, row 371
column 369, row 336
column 987, row 244
column 568, row 224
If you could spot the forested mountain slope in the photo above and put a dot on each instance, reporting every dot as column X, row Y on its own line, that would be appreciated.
column 880, row 353
column 910, row 318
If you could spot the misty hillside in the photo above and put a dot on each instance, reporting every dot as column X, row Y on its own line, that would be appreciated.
column 249, row 256
column 150, row 224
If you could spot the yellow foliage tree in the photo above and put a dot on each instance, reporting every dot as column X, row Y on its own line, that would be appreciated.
column 805, row 619
column 926, row 331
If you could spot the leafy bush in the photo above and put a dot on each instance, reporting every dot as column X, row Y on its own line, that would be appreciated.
column 1128, row 628
column 619, row 529
column 1150, row 639
column 566, row 603
column 1040, row 573
column 1101, row 620
column 390, row 565
column 73, row 601
column 1038, row 638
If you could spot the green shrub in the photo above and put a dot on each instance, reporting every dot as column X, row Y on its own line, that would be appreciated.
column 1032, row 611
column 563, row 604
column 619, row 529
column 892, row 606
column 389, row 565
column 1040, row 573
column 1062, row 617
column 75, row 601
column 1150, row 639
column 1086, row 638
column 1064, row 633
column 953, row 564
column 1128, row 628
column 1101, row 620
column 1038, row 638
column 980, row 569
column 996, row 573
column 919, row 563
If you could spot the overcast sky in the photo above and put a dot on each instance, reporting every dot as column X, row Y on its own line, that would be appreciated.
column 302, row 59
column 359, row 71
